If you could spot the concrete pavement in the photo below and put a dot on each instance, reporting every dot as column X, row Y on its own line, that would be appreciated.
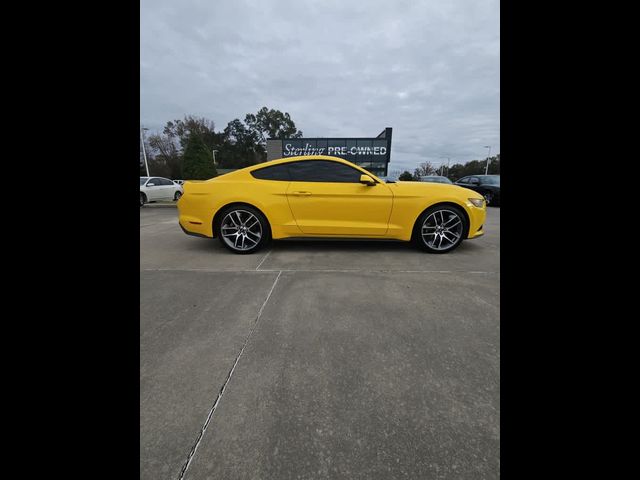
column 336, row 359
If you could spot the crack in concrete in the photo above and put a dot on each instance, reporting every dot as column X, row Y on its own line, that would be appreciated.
column 226, row 382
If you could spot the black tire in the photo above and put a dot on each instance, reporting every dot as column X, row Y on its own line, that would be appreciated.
column 488, row 197
column 177, row 196
column 440, row 218
column 143, row 199
column 228, row 220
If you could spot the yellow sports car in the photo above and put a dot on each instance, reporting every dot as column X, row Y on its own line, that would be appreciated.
column 327, row 197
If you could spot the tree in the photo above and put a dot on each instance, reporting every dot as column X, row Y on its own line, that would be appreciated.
column 197, row 160
column 424, row 169
column 271, row 124
column 184, row 130
column 240, row 146
column 405, row 176
column 475, row 167
column 494, row 165
column 165, row 151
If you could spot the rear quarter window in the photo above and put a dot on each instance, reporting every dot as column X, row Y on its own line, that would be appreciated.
column 275, row 172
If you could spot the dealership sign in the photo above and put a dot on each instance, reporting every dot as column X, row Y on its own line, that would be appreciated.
column 289, row 150
column 372, row 153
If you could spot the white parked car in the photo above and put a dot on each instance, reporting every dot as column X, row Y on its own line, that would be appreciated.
column 153, row 189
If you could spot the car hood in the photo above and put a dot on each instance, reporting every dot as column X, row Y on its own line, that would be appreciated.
column 427, row 189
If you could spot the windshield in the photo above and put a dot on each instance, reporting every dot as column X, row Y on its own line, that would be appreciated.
column 143, row 180
column 491, row 180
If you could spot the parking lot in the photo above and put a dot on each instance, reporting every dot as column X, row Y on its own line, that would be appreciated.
column 317, row 359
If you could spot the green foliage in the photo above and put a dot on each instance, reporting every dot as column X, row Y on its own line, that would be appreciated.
column 271, row 124
column 474, row 167
column 197, row 159
column 406, row 176
column 184, row 130
column 239, row 145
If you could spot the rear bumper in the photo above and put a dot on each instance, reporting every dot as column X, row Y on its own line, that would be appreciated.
column 194, row 215
column 194, row 234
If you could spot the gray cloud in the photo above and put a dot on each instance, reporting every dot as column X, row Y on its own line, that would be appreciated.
column 429, row 69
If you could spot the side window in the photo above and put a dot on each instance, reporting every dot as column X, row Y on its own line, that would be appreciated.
column 155, row 181
column 474, row 181
column 167, row 182
column 464, row 180
column 276, row 172
column 323, row 171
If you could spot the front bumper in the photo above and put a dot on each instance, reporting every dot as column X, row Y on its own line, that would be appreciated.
column 478, row 234
column 477, row 218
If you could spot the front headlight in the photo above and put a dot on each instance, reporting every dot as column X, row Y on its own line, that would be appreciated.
column 477, row 202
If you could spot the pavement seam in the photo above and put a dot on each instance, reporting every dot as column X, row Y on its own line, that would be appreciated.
column 226, row 382
column 214, row 270
column 263, row 259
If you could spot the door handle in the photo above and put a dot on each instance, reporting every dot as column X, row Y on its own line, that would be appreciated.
column 301, row 194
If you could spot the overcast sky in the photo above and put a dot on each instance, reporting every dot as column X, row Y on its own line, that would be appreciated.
column 429, row 69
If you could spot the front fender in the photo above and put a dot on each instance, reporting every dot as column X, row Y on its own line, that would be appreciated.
column 406, row 211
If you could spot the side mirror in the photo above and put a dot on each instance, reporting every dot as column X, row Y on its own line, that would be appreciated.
column 367, row 180
column 151, row 184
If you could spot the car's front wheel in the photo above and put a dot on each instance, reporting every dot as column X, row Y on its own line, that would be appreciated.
column 440, row 229
column 177, row 196
column 243, row 229
column 488, row 197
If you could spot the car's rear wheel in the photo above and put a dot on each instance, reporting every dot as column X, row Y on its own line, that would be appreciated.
column 143, row 199
column 243, row 229
column 488, row 197
column 177, row 196
column 440, row 229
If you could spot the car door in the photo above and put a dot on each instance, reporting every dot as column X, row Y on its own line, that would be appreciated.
column 463, row 182
column 474, row 184
column 154, row 191
column 327, row 198
column 168, row 189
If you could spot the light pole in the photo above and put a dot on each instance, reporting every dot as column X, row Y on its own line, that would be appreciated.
column 448, row 160
column 144, row 152
column 214, row 157
column 486, row 170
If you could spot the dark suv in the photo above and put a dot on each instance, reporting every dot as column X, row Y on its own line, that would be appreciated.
column 486, row 185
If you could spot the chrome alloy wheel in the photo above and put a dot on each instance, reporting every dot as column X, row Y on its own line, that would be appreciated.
column 442, row 229
column 241, row 230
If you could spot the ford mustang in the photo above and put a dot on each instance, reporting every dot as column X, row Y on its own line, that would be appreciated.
column 327, row 197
